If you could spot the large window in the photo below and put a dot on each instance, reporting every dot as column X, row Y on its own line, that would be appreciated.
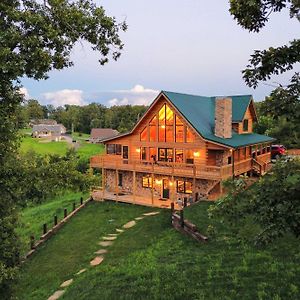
column 189, row 136
column 184, row 187
column 165, row 154
column 114, row 149
column 179, row 138
column 144, row 135
column 152, row 154
column 147, row 182
column 166, row 124
column 152, row 128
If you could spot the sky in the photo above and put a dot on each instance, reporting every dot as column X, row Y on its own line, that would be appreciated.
column 190, row 46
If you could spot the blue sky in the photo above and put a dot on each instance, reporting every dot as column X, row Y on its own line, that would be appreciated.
column 186, row 46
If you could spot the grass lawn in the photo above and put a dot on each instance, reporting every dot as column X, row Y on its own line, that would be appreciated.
column 32, row 218
column 153, row 261
column 86, row 150
column 38, row 145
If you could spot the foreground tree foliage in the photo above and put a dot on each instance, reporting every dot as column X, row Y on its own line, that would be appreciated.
column 271, row 206
column 35, row 38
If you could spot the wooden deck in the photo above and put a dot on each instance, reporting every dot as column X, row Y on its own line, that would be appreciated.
column 176, row 169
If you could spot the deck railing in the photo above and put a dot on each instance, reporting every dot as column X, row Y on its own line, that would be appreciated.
column 173, row 168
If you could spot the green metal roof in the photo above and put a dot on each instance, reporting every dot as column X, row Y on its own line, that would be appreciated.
column 200, row 112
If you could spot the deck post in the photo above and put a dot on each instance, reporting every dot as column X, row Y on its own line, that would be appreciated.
column 152, row 186
column 134, row 186
column 194, row 183
column 172, row 190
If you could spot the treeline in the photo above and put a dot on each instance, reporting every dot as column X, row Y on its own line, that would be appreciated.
column 83, row 118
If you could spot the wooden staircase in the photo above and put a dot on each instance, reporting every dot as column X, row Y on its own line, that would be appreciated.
column 259, row 167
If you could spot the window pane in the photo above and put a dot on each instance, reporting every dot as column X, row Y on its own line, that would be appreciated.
column 153, row 121
column 118, row 149
column 147, row 182
column 245, row 125
column 180, row 186
column 189, row 157
column 162, row 133
column 144, row 153
column 179, row 156
column 152, row 154
column 169, row 155
column 189, row 136
column 152, row 133
column 110, row 149
column 188, row 187
column 162, row 155
column 169, row 134
column 144, row 135
column 162, row 115
column 169, row 116
column 179, row 133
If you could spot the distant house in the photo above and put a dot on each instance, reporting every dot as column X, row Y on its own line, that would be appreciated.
column 100, row 134
column 42, row 121
column 53, row 132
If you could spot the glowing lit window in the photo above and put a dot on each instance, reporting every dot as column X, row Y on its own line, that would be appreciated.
column 147, row 182
column 144, row 135
column 152, row 129
column 189, row 136
column 189, row 157
column 143, row 153
column 179, row 156
column 178, row 130
column 152, row 154
column 166, row 121
column 165, row 154
column 184, row 187
column 169, row 116
column 162, row 115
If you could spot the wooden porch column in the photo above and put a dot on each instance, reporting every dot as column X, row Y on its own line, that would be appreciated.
column 117, row 185
column 173, row 190
column 134, row 185
column 194, row 183
column 152, row 186
column 103, row 183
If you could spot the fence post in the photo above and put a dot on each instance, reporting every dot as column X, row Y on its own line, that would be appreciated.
column 55, row 220
column 32, row 242
column 172, row 211
column 181, row 218
column 81, row 200
column 73, row 206
column 65, row 213
column 45, row 228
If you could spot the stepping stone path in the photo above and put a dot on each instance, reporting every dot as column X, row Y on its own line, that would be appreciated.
column 101, row 251
column 151, row 213
column 129, row 224
column 56, row 295
column 109, row 238
column 81, row 271
column 105, row 243
column 66, row 283
column 96, row 261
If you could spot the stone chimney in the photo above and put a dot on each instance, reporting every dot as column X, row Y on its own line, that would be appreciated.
column 223, row 117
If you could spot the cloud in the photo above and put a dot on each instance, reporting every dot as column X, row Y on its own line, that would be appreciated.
column 23, row 91
column 63, row 97
column 138, row 95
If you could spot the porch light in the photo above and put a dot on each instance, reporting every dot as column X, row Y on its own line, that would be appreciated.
column 157, row 181
column 196, row 154
column 171, row 183
column 138, row 150
column 163, row 126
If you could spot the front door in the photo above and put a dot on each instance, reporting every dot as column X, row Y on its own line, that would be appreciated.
column 166, row 189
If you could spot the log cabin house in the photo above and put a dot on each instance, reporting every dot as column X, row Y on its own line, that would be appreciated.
column 182, row 148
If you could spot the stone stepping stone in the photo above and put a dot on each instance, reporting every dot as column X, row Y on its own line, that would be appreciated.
column 96, row 261
column 129, row 224
column 113, row 234
column 66, row 283
column 101, row 251
column 56, row 295
column 151, row 213
column 119, row 230
column 81, row 271
column 139, row 218
column 109, row 238
column 105, row 243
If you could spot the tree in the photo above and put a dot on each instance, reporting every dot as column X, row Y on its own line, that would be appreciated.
column 272, row 205
column 253, row 15
column 37, row 37
column 34, row 110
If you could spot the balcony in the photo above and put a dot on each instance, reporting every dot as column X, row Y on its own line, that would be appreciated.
column 174, row 169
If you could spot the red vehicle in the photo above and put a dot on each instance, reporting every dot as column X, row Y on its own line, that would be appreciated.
column 277, row 151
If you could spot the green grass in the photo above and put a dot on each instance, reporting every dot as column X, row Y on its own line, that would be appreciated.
column 33, row 217
column 86, row 150
column 80, row 136
column 39, row 146
column 153, row 261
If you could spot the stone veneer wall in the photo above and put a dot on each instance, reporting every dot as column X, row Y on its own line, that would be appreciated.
column 202, row 186
column 223, row 117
